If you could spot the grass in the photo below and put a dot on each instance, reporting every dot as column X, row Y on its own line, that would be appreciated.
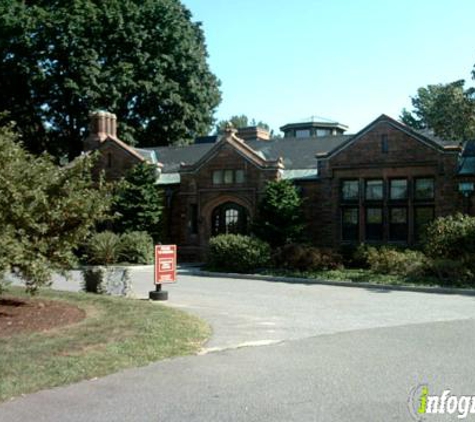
column 116, row 334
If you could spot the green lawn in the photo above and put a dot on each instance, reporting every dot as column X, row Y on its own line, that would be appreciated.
column 117, row 333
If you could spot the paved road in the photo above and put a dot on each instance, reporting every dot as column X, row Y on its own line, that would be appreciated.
column 325, row 354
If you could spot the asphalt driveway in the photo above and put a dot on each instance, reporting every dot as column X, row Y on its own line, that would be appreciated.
column 284, row 352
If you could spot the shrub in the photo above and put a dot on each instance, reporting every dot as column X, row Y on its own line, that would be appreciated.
column 388, row 260
column 107, row 280
column 307, row 258
column 136, row 248
column 103, row 248
column 451, row 271
column 237, row 253
column 450, row 237
column 280, row 215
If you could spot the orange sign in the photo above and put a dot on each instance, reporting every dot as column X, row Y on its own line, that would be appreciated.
column 165, row 264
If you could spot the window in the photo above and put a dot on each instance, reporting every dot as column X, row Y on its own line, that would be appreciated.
column 323, row 132
column 374, row 190
column 350, row 190
column 217, row 177
column 109, row 160
column 398, row 224
column 240, row 176
column 384, row 144
column 422, row 217
column 228, row 176
column 398, row 189
column 350, row 224
column 374, row 224
column 229, row 218
column 302, row 133
column 424, row 188
column 194, row 219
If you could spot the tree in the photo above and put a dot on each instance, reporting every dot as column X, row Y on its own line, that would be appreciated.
column 143, row 60
column 280, row 214
column 139, row 202
column 239, row 122
column 46, row 211
column 447, row 109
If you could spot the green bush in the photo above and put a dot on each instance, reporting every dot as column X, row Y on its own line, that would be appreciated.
column 108, row 248
column 389, row 260
column 307, row 258
column 136, row 248
column 237, row 253
column 451, row 272
column 451, row 237
column 103, row 248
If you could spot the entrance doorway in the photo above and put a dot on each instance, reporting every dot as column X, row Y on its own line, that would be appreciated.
column 230, row 218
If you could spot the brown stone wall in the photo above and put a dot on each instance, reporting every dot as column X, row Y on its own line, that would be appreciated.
column 114, row 161
column 197, row 188
column 406, row 157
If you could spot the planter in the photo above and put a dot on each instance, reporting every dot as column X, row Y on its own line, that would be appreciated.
column 110, row 280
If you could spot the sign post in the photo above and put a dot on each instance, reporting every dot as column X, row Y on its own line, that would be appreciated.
column 165, row 270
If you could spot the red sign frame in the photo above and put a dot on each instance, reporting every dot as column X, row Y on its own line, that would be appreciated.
column 165, row 264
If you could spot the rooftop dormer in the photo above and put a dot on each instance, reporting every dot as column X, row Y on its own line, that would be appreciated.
column 313, row 127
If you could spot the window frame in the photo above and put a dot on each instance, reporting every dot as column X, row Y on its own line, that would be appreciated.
column 395, row 227
column 390, row 182
column 419, row 198
column 351, row 200
column 371, row 226
column 366, row 181
column 354, row 237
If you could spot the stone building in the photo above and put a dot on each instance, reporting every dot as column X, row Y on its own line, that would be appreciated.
column 382, row 184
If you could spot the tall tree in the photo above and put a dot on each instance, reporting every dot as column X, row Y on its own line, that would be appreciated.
column 280, row 218
column 145, row 60
column 447, row 109
column 46, row 211
column 139, row 202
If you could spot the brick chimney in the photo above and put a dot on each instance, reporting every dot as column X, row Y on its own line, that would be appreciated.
column 253, row 133
column 102, row 125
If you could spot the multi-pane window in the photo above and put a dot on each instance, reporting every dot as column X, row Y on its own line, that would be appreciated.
column 422, row 217
column 374, row 190
column 228, row 177
column 217, row 177
column 350, row 190
column 424, row 188
column 374, row 224
column 302, row 133
column 350, row 224
column 323, row 132
column 398, row 228
column 398, row 189
column 240, row 176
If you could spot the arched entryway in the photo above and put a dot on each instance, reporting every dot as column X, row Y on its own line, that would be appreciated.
column 229, row 218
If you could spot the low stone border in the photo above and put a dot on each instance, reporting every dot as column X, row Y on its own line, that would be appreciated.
column 364, row 285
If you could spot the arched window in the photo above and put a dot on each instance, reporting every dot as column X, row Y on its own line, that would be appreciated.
column 229, row 218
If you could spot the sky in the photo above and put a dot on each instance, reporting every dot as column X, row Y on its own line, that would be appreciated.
column 345, row 60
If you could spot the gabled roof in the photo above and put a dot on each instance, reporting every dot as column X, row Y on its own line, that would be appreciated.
column 298, row 153
column 238, row 145
column 122, row 145
column 429, row 140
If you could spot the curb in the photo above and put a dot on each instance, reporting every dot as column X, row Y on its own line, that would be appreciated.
column 360, row 285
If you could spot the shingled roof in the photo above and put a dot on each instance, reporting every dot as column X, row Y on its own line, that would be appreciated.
column 297, row 153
